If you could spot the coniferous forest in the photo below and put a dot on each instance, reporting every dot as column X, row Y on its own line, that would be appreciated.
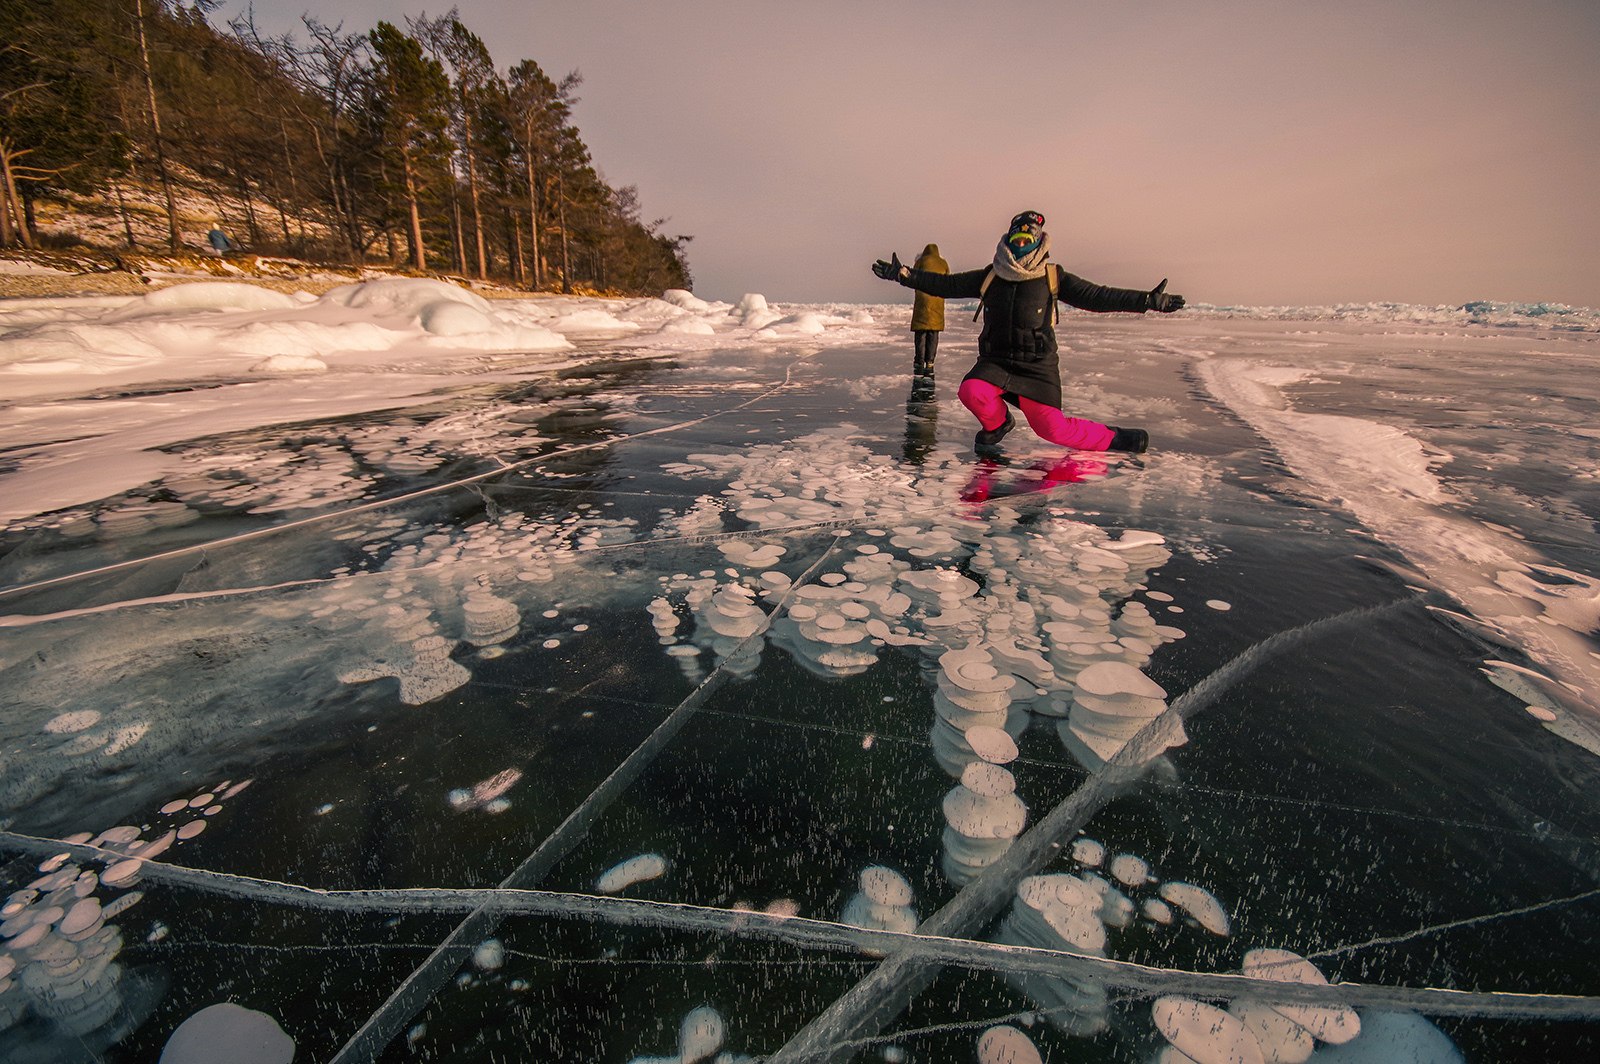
column 403, row 145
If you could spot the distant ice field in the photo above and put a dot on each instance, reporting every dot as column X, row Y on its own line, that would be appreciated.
column 433, row 677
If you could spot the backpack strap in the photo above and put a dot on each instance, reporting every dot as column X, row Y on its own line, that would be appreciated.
column 1052, row 274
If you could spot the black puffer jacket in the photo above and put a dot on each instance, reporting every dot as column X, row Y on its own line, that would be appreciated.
column 1017, row 347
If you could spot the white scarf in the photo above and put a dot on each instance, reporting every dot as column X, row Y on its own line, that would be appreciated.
column 1028, row 268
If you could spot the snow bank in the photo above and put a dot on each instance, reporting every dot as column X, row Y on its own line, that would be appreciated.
column 389, row 342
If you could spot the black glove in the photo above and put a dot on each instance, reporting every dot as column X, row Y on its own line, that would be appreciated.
column 1162, row 301
column 893, row 270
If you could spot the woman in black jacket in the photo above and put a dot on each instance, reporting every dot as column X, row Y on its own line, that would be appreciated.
column 1017, row 361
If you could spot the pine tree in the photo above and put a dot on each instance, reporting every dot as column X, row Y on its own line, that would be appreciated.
column 407, row 98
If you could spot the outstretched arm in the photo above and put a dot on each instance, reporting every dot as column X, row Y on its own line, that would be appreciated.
column 948, row 285
column 1086, row 295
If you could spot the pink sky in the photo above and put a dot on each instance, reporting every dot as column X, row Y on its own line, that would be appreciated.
column 1255, row 152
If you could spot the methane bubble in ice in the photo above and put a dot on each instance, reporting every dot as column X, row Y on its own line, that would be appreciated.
column 1007, row 1045
column 1282, row 1041
column 1199, row 903
column 1394, row 1038
column 700, row 1035
column 1129, row 870
column 490, row 955
column 1088, row 852
column 73, row 722
column 1204, row 1033
column 883, row 903
column 983, row 816
column 1333, row 1025
column 489, row 620
column 231, row 1033
column 1156, row 911
column 634, row 870
column 1059, row 912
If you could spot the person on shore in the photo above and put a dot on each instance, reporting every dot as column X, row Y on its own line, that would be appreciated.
column 219, row 240
column 927, row 313
column 1017, row 362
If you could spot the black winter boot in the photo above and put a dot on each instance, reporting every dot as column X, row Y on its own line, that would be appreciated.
column 1135, row 441
column 988, row 439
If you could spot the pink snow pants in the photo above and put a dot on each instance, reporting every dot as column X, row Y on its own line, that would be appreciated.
column 1048, row 423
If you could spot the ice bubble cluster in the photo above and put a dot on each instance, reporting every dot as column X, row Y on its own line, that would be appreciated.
column 1252, row 1030
column 1059, row 912
column 1111, row 703
column 1025, row 606
column 59, row 942
column 883, row 902
column 983, row 817
column 1077, row 912
column 1203, row 1034
column 489, row 619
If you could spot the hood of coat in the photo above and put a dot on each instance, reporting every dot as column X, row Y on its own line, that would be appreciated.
column 930, row 260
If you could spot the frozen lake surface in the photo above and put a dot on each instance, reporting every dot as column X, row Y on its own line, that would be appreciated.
column 698, row 695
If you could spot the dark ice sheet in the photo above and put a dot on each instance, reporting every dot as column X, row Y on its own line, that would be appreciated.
column 1364, row 797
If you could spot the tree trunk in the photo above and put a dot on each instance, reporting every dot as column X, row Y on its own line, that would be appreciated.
column 533, row 226
column 12, row 225
column 122, row 208
column 472, row 191
column 458, row 236
column 155, row 126
column 518, row 267
column 249, row 207
column 566, row 256
column 419, row 256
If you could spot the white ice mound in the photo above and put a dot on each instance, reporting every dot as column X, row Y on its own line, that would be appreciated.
column 687, row 300
column 450, row 318
column 228, row 1032
column 592, row 320
column 634, row 870
column 804, row 324
column 752, row 311
column 204, row 295
column 406, row 297
column 687, row 326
